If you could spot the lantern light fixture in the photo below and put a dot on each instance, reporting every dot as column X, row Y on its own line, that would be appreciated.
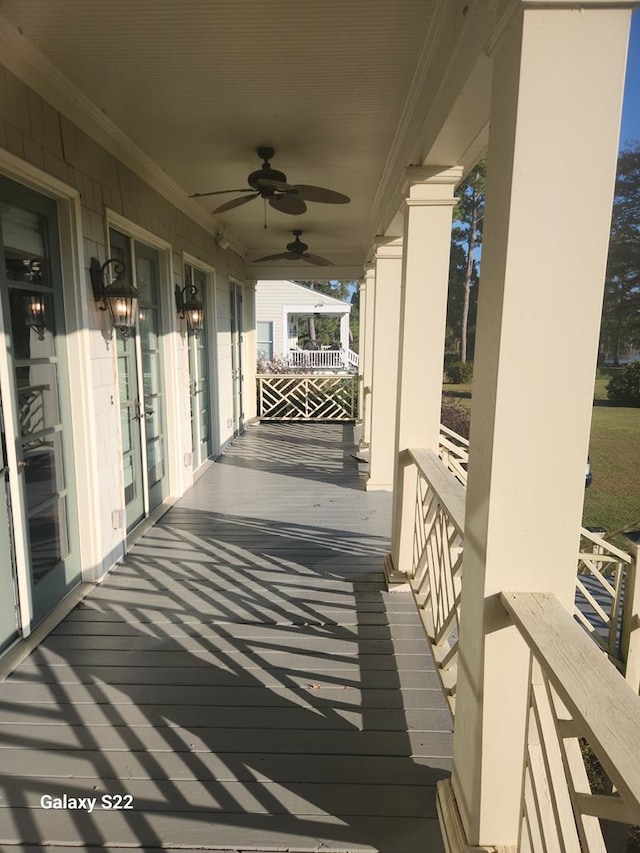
column 34, row 314
column 190, row 308
column 118, row 296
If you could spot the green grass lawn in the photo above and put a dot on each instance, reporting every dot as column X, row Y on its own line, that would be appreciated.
column 613, row 499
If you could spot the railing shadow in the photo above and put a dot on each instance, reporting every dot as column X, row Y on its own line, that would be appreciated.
column 247, row 682
column 315, row 452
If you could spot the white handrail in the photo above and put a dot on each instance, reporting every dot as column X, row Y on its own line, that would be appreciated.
column 574, row 693
column 315, row 358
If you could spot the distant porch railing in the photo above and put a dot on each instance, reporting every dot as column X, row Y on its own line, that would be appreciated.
column 323, row 359
column 302, row 397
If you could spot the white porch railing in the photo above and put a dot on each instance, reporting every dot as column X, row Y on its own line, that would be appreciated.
column 453, row 449
column 353, row 359
column 436, row 573
column 606, row 576
column 578, row 704
column 327, row 359
column 303, row 397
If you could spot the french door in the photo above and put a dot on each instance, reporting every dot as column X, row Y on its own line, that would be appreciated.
column 140, row 385
column 235, row 310
column 9, row 616
column 199, row 377
column 37, row 443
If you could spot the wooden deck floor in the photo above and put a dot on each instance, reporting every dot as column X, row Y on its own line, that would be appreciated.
column 242, row 675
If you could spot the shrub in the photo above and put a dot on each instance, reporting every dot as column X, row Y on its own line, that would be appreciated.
column 276, row 365
column 625, row 386
column 460, row 372
column 456, row 417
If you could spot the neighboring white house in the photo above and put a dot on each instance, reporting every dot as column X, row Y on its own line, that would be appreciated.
column 280, row 308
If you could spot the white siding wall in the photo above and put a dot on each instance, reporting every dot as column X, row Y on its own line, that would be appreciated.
column 272, row 296
column 35, row 132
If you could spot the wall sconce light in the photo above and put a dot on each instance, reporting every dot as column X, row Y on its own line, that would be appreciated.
column 119, row 296
column 189, row 307
column 34, row 314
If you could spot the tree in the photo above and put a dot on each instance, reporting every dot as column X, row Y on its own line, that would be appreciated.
column 466, row 235
column 621, row 305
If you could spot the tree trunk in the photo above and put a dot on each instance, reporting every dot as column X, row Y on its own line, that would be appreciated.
column 467, row 281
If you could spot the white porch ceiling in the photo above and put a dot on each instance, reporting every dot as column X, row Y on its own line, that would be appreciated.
column 198, row 85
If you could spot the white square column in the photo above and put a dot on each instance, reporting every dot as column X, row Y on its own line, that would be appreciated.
column 423, row 315
column 250, row 354
column 555, row 115
column 368, row 286
column 344, row 339
column 362, row 306
column 388, row 266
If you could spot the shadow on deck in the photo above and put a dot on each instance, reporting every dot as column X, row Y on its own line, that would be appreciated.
column 242, row 675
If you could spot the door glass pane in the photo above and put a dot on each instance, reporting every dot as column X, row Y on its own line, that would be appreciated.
column 130, row 428
column 38, row 403
column 147, row 281
column 34, row 288
column 155, row 462
column 199, row 378
column 48, row 534
column 8, row 594
column 43, row 469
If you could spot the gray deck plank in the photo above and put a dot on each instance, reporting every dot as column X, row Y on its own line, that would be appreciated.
column 243, row 674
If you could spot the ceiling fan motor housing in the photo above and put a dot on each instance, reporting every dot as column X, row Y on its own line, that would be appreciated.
column 297, row 246
column 266, row 173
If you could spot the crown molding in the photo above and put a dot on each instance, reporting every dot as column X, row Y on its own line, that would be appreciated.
column 23, row 60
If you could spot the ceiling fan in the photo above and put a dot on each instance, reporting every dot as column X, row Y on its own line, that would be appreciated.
column 271, row 185
column 296, row 251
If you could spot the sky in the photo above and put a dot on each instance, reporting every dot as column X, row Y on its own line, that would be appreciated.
column 630, row 129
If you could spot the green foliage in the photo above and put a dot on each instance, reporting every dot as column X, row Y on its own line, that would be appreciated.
column 460, row 372
column 620, row 326
column 625, row 387
column 277, row 364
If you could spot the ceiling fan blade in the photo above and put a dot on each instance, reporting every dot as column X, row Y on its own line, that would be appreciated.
column 277, row 257
column 235, row 202
column 220, row 192
column 292, row 204
column 280, row 186
column 317, row 260
column 321, row 194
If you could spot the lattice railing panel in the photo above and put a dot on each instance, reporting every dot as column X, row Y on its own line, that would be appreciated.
column 581, row 781
column 602, row 569
column 600, row 583
column 310, row 398
column 437, row 573
column 453, row 449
